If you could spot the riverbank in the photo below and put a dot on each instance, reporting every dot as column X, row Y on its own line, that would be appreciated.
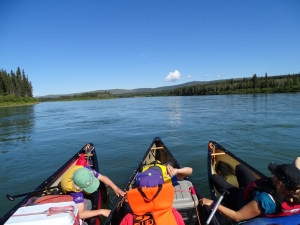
column 10, row 104
column 10, row 100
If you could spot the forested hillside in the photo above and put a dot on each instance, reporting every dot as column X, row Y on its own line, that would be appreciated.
column 82, row 96
column 254, row 84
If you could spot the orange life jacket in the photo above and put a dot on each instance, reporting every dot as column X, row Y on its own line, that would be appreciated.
column 152, row 205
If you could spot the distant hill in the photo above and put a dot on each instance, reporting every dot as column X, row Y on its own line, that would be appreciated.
column 137, row 90
column 164, row 88
column 280, row 79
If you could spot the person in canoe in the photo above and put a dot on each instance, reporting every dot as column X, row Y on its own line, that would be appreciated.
column 276, row 196
column 168, row 172
column 142, row 199
column 83, row 179
column 150, row 202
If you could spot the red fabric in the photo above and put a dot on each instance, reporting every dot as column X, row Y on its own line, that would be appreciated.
column 287, row 209
column 178, row 217
column 81, row 160
column 128, row 219
column 250, row 186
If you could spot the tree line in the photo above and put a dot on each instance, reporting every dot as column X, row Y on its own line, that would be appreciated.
column 15, row 84
column 15, row 88
column 267, row 84
column 83, row 96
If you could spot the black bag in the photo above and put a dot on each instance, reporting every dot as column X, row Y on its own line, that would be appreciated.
column 224, row 169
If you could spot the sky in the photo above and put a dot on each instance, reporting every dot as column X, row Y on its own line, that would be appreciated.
column 74, row 46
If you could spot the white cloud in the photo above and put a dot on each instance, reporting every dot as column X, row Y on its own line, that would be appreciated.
column 189, row 76
column 206, row 75
column 173, row 76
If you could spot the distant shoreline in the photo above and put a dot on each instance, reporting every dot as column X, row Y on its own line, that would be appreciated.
column 12, row 104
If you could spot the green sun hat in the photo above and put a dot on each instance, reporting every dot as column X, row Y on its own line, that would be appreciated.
column 86, row 180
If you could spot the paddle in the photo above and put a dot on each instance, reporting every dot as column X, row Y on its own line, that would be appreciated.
column 11, row 198
column 216, row 207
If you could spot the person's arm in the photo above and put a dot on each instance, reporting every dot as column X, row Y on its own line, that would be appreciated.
column 84, row 213
column 108, row 182
column 249, row 211
column 180, row 173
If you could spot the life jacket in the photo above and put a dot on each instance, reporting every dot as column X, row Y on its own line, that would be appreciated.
column 152, row 205
column 161, row 167
column 67, row 184
column 128, row 219
column 266, row 185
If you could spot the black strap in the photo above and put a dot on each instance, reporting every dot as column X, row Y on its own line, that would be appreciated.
column 144, row 219
column 156, row 162
column 267, row 186
column 156, row 194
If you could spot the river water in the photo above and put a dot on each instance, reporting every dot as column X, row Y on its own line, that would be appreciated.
column 36, row 140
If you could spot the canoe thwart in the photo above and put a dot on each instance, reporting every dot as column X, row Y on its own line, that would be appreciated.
column 220, row 153
column 157, row 148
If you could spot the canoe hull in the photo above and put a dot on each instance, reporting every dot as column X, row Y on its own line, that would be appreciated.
column 291, row 220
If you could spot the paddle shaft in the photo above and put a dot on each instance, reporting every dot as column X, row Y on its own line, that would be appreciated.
column 11, row 198
column 216, row 207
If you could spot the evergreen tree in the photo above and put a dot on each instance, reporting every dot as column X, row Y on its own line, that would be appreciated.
column 16, row 84
column 266, row 81
column 254, row 81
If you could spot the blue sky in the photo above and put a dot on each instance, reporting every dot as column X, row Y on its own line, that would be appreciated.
column 72, row 46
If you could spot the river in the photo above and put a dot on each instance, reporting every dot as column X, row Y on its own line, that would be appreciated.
column 36, row 140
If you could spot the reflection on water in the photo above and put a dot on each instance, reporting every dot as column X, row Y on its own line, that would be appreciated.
column 16, row 123
column 174, row 108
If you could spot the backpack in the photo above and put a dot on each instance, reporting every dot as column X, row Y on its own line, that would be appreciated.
column 157, row 165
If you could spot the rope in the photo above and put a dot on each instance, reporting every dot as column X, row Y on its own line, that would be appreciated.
column 120, row 203
column 29, row 214
column 54, row 210
column 193, row 192
column 182, row 190
column 195, row 206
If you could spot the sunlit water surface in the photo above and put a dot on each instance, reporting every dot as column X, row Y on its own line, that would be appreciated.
column 36, row 140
